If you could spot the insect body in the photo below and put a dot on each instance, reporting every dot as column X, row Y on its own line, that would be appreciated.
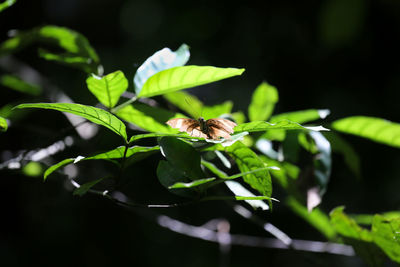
column 209, row 129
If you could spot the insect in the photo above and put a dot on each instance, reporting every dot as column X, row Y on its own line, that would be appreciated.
column 209, row 129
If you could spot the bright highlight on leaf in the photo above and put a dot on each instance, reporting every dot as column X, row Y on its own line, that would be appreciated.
column 260, row 126
column 263, row 102
column 93, row 114
column 3, row 124
column 109, row 88
column 376, row 129
column 6, row 4
column 179, row 78
column 161, row 60
column 17, row 84
column 301, row 116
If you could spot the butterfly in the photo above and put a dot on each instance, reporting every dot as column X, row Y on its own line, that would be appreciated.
column 209, row 129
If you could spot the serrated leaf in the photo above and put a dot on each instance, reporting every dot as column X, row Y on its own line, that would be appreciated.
column 375, row 129
column 109, row 88
column 55, row 167
column 301, row 116
column 93, row 114
column 259, row 126
column 3, row 124
column 179, row 78
column 195, row 108
column 19, row 85
column 148, row 118
column 386, row 234
column 247, row 160
column 263, row 102
column 6, row 4
column 161, row 60
column 84, row 188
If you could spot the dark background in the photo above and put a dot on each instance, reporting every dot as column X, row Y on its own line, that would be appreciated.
column 336, row 54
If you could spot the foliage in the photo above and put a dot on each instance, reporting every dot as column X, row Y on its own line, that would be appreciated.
column 263, row 151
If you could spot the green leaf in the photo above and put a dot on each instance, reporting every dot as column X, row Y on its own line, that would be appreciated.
column 182, row 156
column 239, row 191
column 179, row 78
column 169, row 175
column 17, row 84
column 316, row 217
column 386, row 234
column 69, row 59
column 118, row 152
column 301, row 116
column 263, row 102
column 109, row 88
column 259, row 126
column 93, row 114
column 55, row 167
column 3, row 124
column 347, row 227
column 33, row 169
column 239, row 117
column 368, row 218
column 375, row 129
column 152, row 135
column 84, row 188
column 284, row 171
column 6, row 4
column 161, row 60
column 76, row 46
column 195, row 108
column 192, row 184
column 351, row 158
column 148, row 118
column 247, row 160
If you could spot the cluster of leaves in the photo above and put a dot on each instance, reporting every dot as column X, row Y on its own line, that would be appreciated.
column 264, row 146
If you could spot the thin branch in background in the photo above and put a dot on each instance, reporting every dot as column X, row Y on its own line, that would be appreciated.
column 253, row 241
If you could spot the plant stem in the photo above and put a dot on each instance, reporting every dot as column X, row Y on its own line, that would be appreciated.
column 130, row 101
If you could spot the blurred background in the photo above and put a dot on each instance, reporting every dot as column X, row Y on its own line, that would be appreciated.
column 341, row 55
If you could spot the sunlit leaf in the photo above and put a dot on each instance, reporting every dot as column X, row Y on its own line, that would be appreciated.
column 191, row 184
column 55, row 167
column 109, row 88
column 259, row 126
column 119, row 152
column 301, row 116
column 148, row 118
column 76, row 47
column 263, row 102
column 195, row 108
column 376, row 129
column 33, row 169
column 368, row 218
column 84, row 188
column 161, row 60
column 239, row 117
column 284, row 172
column 179, row 78
column 347, row 227
column 6, row 4
column 247, row 160
column 316, row 218
column 93, row 114
column 386, row 234
column 239, row 190
column 3, row 124
column 69, row 59
column 17, row 84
